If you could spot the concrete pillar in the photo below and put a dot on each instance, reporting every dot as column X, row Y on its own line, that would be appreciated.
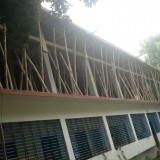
column 132, row 126
column 108, row 133
column 67, row 139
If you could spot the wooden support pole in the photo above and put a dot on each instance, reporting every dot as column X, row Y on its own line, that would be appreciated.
column 1, row 85
column 114, row 78
column 85, row 68
column 79, row 91
column 132, row 79
column 125, row 86
column 103, row 73
column 5, row 58
column 13, row 77
column 7, row 69
column 68, row 62
column 101, row 80
column 89, row 79
column 21, row 80
column 57, row 63
column 66, row 91
column 94, row 68
column 36, row 71
column 106, row 74
column 49, row 79
column 155, row 87
column 75, row 61
column 22, row 69
column 26, row 69
column 41, row 53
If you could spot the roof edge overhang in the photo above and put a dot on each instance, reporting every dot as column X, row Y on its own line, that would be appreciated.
column 46, row 94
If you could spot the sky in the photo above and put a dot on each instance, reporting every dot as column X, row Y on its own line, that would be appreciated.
column 124, row 23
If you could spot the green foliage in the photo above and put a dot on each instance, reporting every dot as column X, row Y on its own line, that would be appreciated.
column 89, row 3
column 21, row 16
column 151, row 47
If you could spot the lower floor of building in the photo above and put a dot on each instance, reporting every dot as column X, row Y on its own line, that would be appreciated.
column 36, row 126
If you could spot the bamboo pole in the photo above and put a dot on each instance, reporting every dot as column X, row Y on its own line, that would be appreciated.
column 34, row 84
column 75, row 61
column 125, row 85
column 103, row 73
column 107, row 79
column 21, row 77
column 21, row 66
column 13, row 78
column 26, row 69
column 57, row 64
column 72, row 75
column 9, row 77
column 94, row 69
column 85, row 67
column 41, row 53
column 57, row 70
column 38, row 74
column 1, row 85
column 68, row 61
column 101, row 80
column 7, row 68
column 21, row 80
column 75, row 56
column 130, row 87
column 5, row 58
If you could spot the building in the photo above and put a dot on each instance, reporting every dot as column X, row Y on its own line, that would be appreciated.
column 72, row 95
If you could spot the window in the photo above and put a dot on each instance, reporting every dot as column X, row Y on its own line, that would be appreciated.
column 121, row 130
column 88, row 137
column 140, row 126
column 1, row 149
column 154, row 121
column 1, row 152
column 50, row 145
column 35, row 140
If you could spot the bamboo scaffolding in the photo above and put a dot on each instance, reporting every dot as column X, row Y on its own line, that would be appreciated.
column 105, row 71
column 82, row 55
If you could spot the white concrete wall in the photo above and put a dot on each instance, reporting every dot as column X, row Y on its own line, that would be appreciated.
column 16, row 108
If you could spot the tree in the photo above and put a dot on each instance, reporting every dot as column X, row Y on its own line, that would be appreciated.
column 21, row 16
column 151, row 48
